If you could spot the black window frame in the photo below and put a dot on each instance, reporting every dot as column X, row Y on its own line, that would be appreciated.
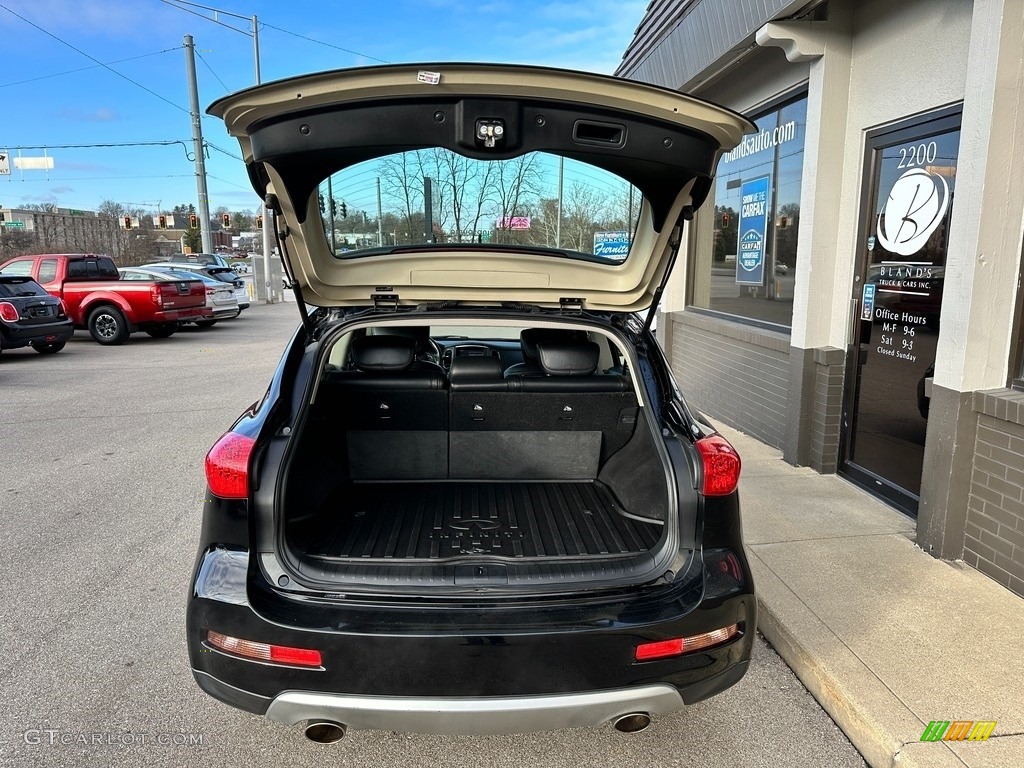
column 777, row 102
column 1016, row 369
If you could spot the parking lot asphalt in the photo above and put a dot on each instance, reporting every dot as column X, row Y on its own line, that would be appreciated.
column 101, row 495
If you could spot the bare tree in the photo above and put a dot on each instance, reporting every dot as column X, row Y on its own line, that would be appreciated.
column 402, row 181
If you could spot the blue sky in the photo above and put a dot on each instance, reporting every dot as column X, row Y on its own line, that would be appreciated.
column 44, row 102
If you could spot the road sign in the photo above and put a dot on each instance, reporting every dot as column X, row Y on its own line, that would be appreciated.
column 5, row 164
column 14, row 224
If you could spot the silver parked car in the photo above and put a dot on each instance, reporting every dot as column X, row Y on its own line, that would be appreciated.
column 220, row 297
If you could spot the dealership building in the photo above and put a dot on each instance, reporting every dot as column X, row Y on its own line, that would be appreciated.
column 851, row 292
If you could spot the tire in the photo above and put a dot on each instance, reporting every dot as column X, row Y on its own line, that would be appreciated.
column 162, row 331
column 107, row 325
column 206, row 323
column 48, row 349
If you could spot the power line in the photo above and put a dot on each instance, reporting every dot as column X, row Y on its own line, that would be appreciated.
column 211, row 70
column 233, row 184
column 223, row 151
column 94, row 59
column 321, row 42
column 104, row 145
column 83, row 69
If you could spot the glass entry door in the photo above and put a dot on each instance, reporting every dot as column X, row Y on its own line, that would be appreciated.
column 910, row 178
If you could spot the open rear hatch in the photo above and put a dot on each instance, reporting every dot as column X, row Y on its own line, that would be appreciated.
column 554, row 197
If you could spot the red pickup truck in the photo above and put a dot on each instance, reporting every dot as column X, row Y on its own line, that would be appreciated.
column 95, row 298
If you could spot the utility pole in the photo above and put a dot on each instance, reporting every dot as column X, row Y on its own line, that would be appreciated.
column 330, row 215
column 197, row 146
column 268, row 223
column 380, row 223
column 558, row 226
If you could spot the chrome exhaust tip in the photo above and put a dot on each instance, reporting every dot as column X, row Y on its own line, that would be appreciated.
column 632, row 723
column 324, row 731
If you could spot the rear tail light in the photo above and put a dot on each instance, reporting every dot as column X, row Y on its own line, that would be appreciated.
column 8, row 312
column 63, row 311
column 677, row 646
column 721, row 466
column 156, row 295
column 278, row 654
column 227, row 466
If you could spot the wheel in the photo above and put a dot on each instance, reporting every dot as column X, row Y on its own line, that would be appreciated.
column 162, row 331
column 107, row 325
column 48, row 349
column 206, row 323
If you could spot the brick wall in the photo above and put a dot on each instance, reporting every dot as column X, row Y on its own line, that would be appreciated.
column 735, row 373
column 827, row 413
column 994, row 533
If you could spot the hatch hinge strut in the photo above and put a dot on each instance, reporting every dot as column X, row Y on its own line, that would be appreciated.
column 281, row 235
column 673, row 247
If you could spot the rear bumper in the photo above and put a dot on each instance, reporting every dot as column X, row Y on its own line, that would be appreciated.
column 183, row 315
column 459, row 669
column 21, row 335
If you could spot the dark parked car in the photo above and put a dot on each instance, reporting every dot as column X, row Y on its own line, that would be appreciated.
column 472, row 499
column 30, row 316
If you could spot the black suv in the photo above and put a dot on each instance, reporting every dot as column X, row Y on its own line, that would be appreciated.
column 29, row 316
column 472, row 499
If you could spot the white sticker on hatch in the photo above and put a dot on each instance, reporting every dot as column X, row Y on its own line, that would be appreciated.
column 430, row 78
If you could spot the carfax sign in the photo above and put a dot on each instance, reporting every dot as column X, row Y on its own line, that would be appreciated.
column 753, row 231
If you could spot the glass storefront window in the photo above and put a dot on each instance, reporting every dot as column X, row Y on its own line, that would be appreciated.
column 757, row 219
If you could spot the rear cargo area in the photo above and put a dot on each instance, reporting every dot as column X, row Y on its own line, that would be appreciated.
column 443, row 478
column 441, row 520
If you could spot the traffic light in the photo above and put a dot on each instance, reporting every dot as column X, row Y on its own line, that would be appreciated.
column 193, row 221
column 127, row 222
column 725, row 221
column 259, row 222
column 225, row 219
column 162, row 221
column 344, row 211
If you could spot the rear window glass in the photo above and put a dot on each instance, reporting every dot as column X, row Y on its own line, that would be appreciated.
column 18, row 268
column 10, row 289
column 100, row 269
column 47, row 270
column 435, row 196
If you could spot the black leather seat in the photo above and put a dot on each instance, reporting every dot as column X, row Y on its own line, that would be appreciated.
column 387, row 362
column 529, row 338
column 393, row 413
column 568, row 367
column 477, row 374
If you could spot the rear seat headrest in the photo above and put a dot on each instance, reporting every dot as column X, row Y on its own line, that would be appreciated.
column 383, row 353
column 576, row 358
column 418, row 333
column 529, row 338
column 475, row 369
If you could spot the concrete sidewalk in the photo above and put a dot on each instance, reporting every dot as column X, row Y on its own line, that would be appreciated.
column 884, row 636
